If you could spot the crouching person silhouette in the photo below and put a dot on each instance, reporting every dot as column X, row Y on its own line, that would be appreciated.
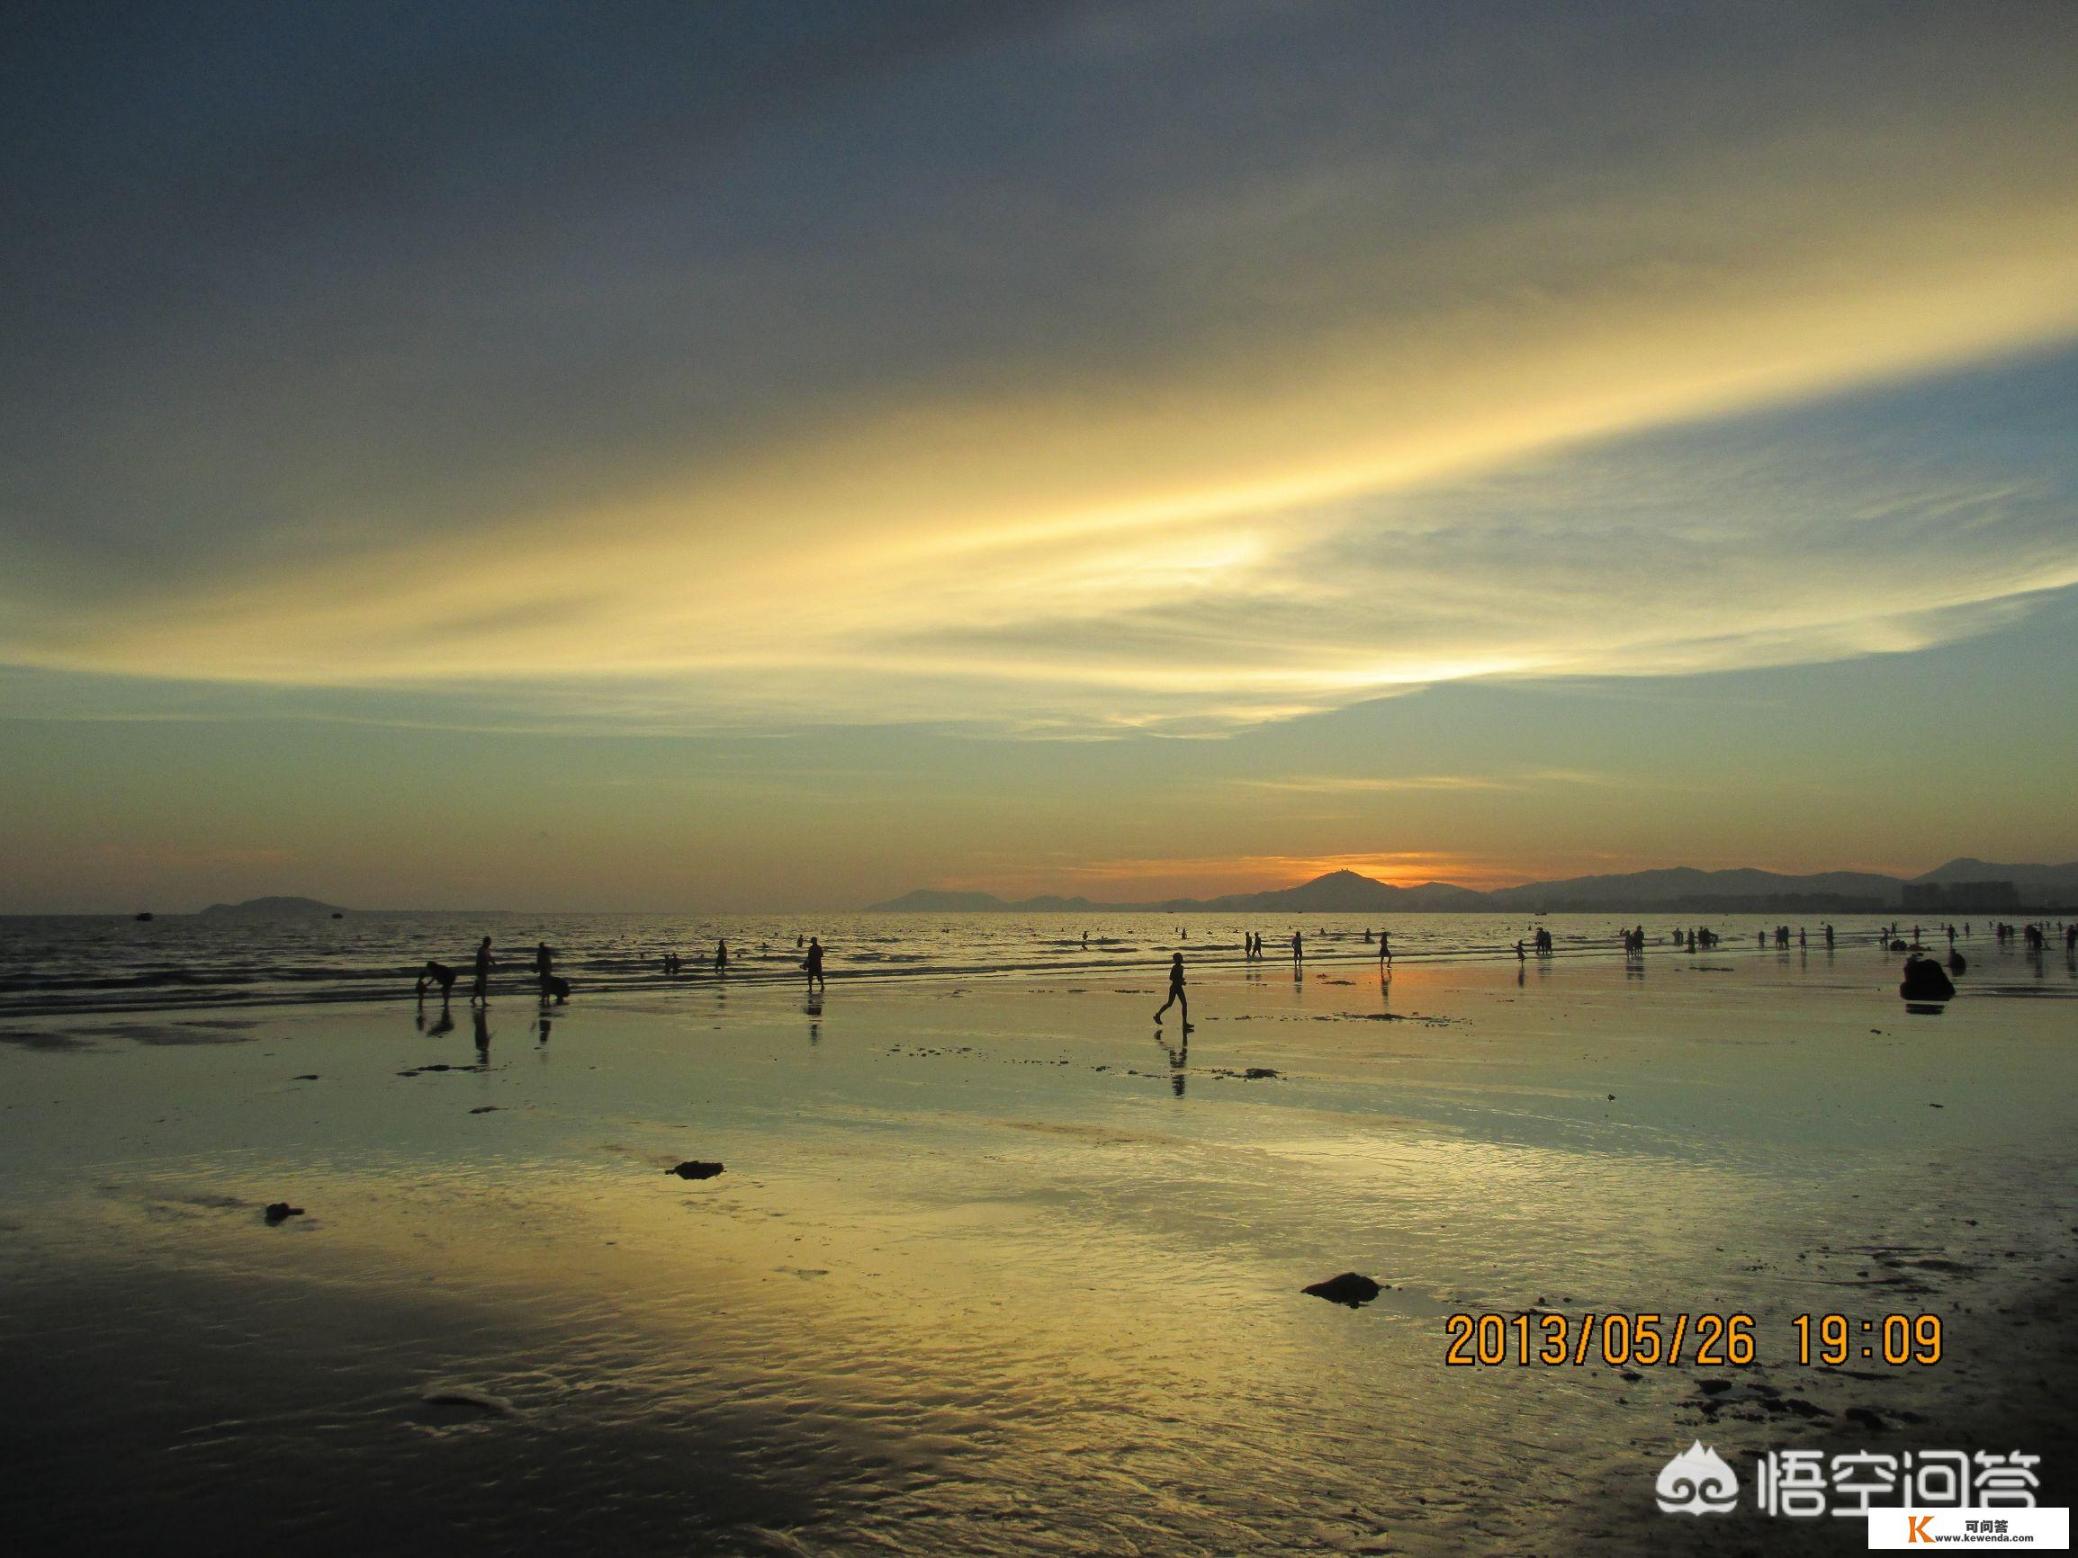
column 436, row 974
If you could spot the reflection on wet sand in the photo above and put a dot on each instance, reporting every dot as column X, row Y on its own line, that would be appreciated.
column 1179, row 1055
column 934, row 1302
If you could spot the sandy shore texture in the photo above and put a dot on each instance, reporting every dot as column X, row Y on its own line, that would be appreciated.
column 996, row 1266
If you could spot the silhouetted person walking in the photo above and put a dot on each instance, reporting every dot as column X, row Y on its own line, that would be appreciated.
column 1176, row 995
column 484, row 963
column 814, row 963
column 1298, row 949
column 721, row 956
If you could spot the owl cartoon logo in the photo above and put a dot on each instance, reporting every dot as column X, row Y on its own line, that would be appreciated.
column 1697, row 1482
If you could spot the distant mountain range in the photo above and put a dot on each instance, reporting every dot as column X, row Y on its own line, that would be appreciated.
column 1677, row 887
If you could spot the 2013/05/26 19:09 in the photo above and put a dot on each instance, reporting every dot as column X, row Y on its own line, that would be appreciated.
column 1708, row 1339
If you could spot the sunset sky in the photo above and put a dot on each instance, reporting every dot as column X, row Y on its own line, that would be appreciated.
column 778, row 455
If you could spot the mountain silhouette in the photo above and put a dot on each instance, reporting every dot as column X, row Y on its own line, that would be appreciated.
column 1674, row 887
column 1678, row 884
column 2027, row 878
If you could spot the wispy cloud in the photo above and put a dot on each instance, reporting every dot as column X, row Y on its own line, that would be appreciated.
column 187, row 857
column 1345, row 784
column 1098, row 427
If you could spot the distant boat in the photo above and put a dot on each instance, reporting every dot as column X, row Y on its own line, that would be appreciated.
column 147, row 914
column 337, row 915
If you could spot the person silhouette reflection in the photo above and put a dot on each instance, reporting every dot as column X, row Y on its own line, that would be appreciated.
column 483, row 1034
column 1179, row 1055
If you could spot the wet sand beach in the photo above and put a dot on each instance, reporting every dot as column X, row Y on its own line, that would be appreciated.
column 995, row 1265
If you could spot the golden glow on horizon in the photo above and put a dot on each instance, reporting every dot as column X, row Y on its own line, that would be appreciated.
column 1153, row 879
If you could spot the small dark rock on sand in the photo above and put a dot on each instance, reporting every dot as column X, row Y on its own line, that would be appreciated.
column 468, row 1398
column 693, row 1169
column 1349, row 1288
column 281, row 1212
